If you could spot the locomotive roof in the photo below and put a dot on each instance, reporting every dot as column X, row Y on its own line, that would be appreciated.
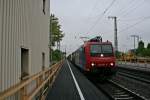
column 88, row 42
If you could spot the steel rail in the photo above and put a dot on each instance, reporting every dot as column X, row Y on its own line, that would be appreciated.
column 124, row 93
column 134, row 77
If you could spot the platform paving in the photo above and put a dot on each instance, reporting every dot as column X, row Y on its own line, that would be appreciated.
column 138, row 66
column 64, row 87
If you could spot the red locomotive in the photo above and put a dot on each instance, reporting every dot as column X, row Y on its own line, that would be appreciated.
column 95, row 56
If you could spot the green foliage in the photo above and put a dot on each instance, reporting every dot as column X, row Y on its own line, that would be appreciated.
column 141, row 51
column 148, row 46
column 147, row 50
column 146, row 53
column 55, row 30
column 56, row 55
column 118, row 54
column 141, row 45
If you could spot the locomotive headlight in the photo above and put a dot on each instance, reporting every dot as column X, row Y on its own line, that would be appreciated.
column 92, row 64
column 111, row 64
column 102, row 55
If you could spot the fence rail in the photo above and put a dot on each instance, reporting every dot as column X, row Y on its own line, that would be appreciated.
column 136, row 60
column 37, row 82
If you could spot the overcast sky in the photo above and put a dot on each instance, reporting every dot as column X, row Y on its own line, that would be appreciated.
column 90, row 18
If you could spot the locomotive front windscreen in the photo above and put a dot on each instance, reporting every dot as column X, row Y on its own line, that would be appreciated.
column 101, row 49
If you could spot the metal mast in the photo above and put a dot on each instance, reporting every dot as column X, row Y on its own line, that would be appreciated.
column 135, row 36
column 115, row 32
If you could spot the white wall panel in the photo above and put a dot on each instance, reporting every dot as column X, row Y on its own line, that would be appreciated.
column 1, row 12
column 22, row 24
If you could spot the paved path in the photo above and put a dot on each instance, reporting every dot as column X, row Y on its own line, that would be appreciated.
column 71, row 84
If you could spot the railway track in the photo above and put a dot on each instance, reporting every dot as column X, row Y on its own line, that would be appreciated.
column 135, row 72
column 134, row 77
column 117, row 92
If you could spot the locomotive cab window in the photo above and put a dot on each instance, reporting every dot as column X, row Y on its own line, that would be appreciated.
column 107, row 48
column 97, row 49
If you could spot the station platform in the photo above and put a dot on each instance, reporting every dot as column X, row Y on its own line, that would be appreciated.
column 71, row 84
column 137, row 66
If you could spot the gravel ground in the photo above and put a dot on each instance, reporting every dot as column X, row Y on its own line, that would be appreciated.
column 135, row 66
column 134, row 85
column 138, row 73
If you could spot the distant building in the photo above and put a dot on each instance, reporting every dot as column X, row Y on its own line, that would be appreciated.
column 24, row 39
column 132, row 50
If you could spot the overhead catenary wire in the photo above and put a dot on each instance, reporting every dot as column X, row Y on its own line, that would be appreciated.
column 130, row 8
column 132, row 19
column 141, row 19
column 133, row 25
column 101, row 16
column 95, row 5
column 133, row 9
column 130, row 4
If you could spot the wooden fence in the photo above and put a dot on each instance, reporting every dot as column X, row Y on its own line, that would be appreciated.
column 33, row 85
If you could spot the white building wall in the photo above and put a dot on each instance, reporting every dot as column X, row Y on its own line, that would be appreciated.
column 0, row 42
column 22, row 24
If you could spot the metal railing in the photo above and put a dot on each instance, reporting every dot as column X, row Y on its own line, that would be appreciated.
column 37, row 82
column 136, row 60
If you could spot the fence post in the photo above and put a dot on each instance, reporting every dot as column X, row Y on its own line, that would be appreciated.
column 23, row 93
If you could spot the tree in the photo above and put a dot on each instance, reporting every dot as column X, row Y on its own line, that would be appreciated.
column 141, row 45
column 140, row 50
column 148, row 46
column 55, row 30
column 118, row 54
column 56, row 35
column 57, row 55
column 146, row 53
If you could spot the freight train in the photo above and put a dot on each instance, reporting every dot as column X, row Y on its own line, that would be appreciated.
column 95, row 56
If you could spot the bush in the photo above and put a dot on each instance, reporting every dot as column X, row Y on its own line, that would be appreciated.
column 56, row 55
